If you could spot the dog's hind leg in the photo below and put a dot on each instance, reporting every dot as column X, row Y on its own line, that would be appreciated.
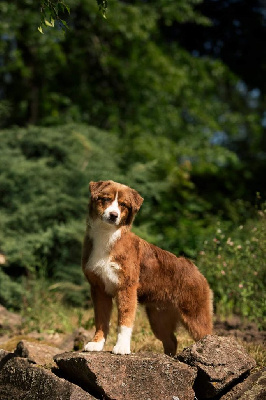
column 163, row 324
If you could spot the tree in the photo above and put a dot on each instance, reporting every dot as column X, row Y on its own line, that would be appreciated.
column 126, row 74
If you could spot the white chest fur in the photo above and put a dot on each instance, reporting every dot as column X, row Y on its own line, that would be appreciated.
column 104, row 237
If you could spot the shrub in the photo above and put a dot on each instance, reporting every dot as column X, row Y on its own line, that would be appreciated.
column 43, row 200
column 234, row 263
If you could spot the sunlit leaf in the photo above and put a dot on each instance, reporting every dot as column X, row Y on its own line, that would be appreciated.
column 51, row 24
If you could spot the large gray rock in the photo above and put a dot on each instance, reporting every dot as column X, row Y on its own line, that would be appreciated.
column 132, row 377
column 221, row 363
column 21, row 380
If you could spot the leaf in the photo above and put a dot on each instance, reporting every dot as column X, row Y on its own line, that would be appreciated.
column 64, row 23
column 68, row 8
column 102, row 4
column 40, row 30
column 51, row 24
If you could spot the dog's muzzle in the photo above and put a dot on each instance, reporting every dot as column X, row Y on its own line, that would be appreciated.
column 111, row 218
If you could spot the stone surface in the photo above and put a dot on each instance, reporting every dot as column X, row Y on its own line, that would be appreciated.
column 37, row 353
column 3, row 354
column 21, row 380
column 133, row 377
column 252, row 388
column 221, row 363
column 4, row 357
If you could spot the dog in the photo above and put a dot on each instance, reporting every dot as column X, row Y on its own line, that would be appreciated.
column 118, row 264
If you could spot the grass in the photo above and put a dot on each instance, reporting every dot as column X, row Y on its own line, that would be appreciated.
column 257, row 351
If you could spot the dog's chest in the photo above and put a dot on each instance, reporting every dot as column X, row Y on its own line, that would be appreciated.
column 100, row 260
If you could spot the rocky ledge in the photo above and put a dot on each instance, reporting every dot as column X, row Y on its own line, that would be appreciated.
column 213, row 368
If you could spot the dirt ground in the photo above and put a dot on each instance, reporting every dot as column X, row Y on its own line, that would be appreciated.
column 243, row 330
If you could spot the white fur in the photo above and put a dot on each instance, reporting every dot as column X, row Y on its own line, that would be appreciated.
column 95, row 346
column 123, row 340
column 104, row 236
column 114, row 207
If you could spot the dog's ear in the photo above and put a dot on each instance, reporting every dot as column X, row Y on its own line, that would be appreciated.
column 94, row 187
column 137, row 201
column 97, row 187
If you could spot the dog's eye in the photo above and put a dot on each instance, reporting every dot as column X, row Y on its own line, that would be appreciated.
column 104, row 199
column 123, row 205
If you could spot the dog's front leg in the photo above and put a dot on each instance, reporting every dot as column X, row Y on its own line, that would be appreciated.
column 126, row 304
column 102, row 304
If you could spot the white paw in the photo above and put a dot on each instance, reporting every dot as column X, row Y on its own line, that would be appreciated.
column 123, row 341
column 94, row 346
column 121, row 349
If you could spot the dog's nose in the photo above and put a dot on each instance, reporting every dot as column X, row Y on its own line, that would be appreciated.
column 113, row 215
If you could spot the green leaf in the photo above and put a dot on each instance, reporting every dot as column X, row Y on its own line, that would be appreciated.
column 68, row 8
column 40, row 30
column 51, row 24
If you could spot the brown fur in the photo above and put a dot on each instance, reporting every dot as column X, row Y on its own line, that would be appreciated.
column 171, row 288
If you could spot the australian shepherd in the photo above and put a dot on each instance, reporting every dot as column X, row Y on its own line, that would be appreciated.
column 118, row 264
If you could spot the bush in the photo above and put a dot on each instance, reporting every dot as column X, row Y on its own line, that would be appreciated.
column 43, row 201
column 234, row 263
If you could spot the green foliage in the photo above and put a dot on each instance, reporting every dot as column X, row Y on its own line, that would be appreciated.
column 43, row 195
column 124, row 75
column 50, row 11
column 10, row 291
column 55, row 8
column 103, row 6
column 234, row 264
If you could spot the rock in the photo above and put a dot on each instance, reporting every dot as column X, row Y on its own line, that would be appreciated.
column 3, row 354
column 252, row 388
column 257, row 391
column 21, row 380
column 132, row 377
column 221, row 363
column 37, row 353
column 4, row 357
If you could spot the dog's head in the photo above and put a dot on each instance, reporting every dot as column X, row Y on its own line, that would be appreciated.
column 113, row 203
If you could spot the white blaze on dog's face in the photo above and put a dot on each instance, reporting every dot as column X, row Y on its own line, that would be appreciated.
column 113, row 203
column 112, row 214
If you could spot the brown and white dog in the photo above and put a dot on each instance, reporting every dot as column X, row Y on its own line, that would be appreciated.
column 118, row 264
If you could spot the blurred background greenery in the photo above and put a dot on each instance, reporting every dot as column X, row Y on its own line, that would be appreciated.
column 166, row 96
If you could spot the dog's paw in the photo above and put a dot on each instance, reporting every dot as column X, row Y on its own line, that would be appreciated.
column 121, row 349
column 94, row 346
column 123, row 341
